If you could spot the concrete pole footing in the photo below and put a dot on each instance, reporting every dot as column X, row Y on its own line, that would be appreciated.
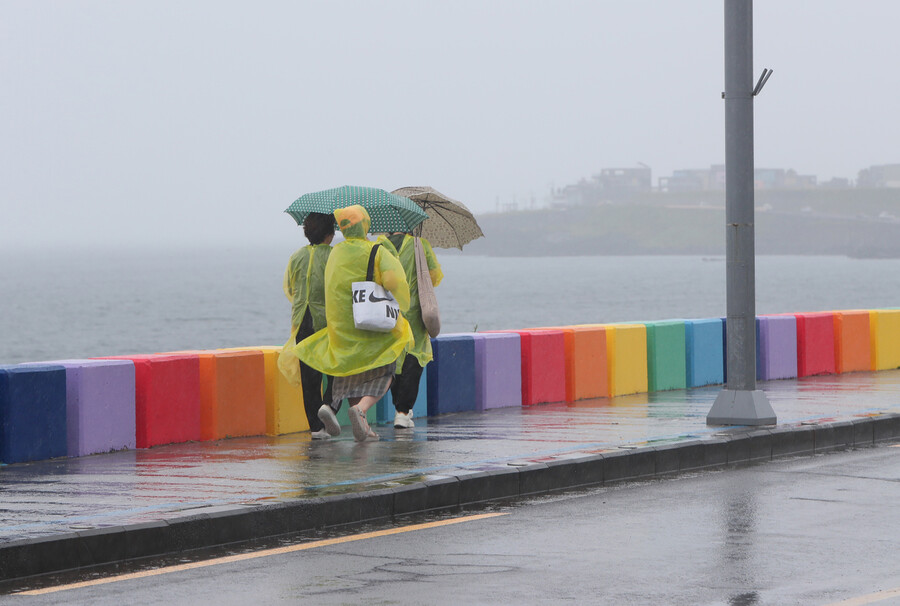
column 741, row 407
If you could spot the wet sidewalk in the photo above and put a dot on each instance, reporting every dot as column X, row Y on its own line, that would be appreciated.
column 73, row 512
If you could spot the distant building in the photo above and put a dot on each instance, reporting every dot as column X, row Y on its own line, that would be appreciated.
column 616, row 184
column 886, row 175
column 836, row 183
column 713, row 179
column 701, row 179
column 609, row 184
column 778, row 178
column 619, row 183
column 576, row 194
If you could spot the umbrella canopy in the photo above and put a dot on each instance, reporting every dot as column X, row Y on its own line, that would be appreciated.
column 449, row 224
column 389, row 212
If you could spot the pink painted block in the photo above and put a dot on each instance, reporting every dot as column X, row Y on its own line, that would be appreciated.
column 100, row 405
column 776, row 347
column 815, row 344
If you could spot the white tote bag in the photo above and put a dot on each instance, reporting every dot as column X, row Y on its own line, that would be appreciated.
column 374, row 308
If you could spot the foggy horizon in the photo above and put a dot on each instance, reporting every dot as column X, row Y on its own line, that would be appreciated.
column 193, row 124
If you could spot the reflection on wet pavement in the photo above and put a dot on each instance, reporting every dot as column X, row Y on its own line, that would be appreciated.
column 129, row 487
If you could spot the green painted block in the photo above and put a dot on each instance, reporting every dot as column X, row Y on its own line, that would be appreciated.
column 666, row 355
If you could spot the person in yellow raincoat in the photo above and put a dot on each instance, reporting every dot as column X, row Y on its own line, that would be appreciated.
column 304, row 286
column 361, row 361
column 405, row 388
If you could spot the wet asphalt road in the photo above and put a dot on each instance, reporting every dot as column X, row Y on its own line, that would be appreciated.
column 814, row 530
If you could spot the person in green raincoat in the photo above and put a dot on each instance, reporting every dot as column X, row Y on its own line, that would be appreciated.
column 362, row 362
column 405, row 388
column 304, row 286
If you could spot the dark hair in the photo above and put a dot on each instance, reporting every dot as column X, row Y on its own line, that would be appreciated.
column 317, row 227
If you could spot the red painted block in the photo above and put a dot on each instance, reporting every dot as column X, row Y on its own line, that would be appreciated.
column 815, row 344
column 543, row 366
column 852, row 341
column 167, row 398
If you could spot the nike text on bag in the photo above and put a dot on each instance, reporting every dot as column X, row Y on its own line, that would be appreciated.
column 374, row 308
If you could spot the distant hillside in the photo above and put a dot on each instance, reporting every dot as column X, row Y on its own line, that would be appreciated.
column 854, row 223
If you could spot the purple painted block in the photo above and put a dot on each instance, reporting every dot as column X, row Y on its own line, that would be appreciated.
column 498, row 370
column 776, row 350
column 100, row 407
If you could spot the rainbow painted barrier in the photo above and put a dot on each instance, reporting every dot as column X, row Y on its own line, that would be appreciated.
column 79, row 407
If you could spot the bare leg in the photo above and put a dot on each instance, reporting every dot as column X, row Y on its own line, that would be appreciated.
column 364, row 403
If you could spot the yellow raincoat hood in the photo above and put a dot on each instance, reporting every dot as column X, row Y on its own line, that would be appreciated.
column 354, row 221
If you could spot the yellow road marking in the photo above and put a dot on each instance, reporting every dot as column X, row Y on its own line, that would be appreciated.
column 260, row 554
column 869, row 599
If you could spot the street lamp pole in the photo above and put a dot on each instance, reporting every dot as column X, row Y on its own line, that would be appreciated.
column 740, row 403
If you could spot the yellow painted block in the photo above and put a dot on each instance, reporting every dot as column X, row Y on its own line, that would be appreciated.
column 884, row 325
column 626, row 357
column 284, row 402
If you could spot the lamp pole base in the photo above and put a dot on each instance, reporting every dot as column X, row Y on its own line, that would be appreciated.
column 743, row 407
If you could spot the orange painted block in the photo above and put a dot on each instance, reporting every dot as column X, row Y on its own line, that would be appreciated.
column 852, row 341
column 232, row 393
column 284, row 402
column 884, row 325
column 626, row 358
column 587, row 375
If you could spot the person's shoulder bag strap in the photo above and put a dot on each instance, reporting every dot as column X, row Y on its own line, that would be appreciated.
column 370, row 271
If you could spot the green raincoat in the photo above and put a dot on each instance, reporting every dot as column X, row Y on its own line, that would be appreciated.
column 341, row 349
column 304, row 284
column 407, row 255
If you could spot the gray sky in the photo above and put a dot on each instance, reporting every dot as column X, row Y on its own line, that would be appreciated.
column 200, row 121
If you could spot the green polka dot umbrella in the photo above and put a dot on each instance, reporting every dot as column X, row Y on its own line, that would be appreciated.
column 389, row 212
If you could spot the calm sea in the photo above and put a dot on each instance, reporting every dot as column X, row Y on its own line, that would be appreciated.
column 85, row 304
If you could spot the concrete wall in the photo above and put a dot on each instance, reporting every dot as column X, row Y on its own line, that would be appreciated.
column 79, row 407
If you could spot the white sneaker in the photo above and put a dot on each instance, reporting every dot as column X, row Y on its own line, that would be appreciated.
column 320, row 435
column 403, row 421
column 326, row 415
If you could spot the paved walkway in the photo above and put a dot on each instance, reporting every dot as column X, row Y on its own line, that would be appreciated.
column 110, row 494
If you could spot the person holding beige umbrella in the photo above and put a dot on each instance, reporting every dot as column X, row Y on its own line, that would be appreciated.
column 449, row 225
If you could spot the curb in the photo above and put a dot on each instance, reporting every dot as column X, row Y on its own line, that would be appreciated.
column 465, row 487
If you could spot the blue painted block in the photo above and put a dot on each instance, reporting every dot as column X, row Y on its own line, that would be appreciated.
column 725, row 349
column 451, row 376
column 385, row 406
column 32, row 413
column 704, row 352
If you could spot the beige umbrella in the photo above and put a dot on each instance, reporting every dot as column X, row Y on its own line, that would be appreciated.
column 449, row 224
